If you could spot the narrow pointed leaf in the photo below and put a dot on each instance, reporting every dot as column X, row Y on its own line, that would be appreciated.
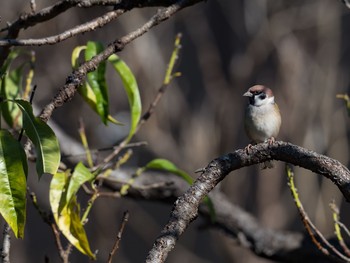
column 89, row 96
column 13, row 54
column 165, row 165
column 97, row 81
column 85, row 90
column 43, row 138
column 67, row 214
column 75, row 55
column 13, row 173
column 80, row 176
column 132, row 91
column 58, row 188
column 11, row 87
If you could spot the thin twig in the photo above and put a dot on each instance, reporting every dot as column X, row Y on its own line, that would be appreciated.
column 76, row 79
column 167, row 79
column 309, row 225
column 85, row 143
column 119, row 236
column 345, row 228
column 338, row 226
column 80, row 29
column 96, row 151
column 30, row 101
column 6, row 244
column 48, row 219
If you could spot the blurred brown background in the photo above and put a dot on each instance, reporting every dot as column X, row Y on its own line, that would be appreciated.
column 300, row 49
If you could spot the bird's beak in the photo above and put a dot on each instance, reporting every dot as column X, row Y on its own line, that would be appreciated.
column 248, row 94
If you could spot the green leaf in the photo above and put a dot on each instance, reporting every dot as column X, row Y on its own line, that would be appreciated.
column 97, row 81
column 346, row 99
column 80, row 175
column 89, row 96
column 11, row 87
column 132, row 91
column 85, row 90
column 67, row 214
column 13, row 54
column 13, row 173
column 165, row 165
column 43, row 138
column 75, row 55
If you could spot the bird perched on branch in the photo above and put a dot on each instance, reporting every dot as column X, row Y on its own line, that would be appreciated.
column 262, row 120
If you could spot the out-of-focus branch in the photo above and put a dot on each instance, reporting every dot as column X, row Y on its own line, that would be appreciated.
column 33, row 18
column 86, row 27
column 119, row 236
column 6, row 244
column 315, row 234
column 48, row 219
column 347, row 3
column 73, row 81
column 186, row 207
column 231, row 219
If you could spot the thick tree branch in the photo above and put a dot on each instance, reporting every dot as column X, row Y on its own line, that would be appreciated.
column 186, row 207
column 284, row 246
column 76, row 79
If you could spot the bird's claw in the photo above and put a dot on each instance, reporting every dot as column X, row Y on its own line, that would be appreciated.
column 271, row 141
column 247, row 148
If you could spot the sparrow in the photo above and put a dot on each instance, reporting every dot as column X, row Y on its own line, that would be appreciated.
column 262, row 120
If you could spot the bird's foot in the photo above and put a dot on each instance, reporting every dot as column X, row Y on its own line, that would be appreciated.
column 248, row 148
column 271, row 140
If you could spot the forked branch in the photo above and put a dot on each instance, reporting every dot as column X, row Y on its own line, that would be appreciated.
column 186, row 207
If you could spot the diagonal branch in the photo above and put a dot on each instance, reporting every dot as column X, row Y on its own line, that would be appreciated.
column 274, row 244
column 186, row 207
column 27, row 20
column 77, row 77
column 83, row 28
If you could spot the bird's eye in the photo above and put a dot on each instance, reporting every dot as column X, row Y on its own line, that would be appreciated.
column 262, row 96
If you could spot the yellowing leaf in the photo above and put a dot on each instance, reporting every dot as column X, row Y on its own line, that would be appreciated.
column 80, row 175
column 67, row 214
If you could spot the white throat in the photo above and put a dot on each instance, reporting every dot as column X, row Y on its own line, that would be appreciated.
column 268, row 100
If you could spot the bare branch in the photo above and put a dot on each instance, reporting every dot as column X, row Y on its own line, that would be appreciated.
column 347, row 3
column 6, row 244
column 48, row 219
column 186, row 207
column 119, row 236
column 231, row 219
column 31, row 19
column 68, row 91
column 83, row 28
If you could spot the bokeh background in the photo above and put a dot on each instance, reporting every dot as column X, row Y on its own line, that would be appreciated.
column 300, row 49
